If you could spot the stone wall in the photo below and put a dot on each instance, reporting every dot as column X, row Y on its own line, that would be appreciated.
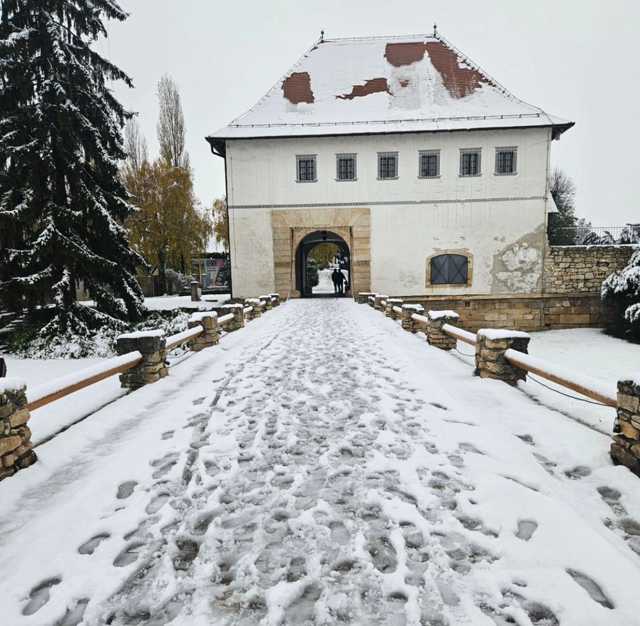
column 521, row 313
column 581, row 269
column 15, row 437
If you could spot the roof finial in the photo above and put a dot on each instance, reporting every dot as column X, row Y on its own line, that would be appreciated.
column 435, row 30
column 321, row 35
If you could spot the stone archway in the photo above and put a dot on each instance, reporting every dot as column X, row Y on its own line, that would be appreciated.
column 291, row 226
column 308, row 243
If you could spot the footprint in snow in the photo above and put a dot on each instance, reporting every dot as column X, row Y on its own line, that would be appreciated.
column 591, row 587
column 157, row 503
column 126, row 489
column 89, row 547
column 580, row 471
column 129, row 554
column 75, row 614
column 526, row 528
column 39, row 595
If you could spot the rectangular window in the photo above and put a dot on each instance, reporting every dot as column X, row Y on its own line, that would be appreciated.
column 306, row 168
column 429, row 164
column 470, row 162
column 346, row 167
column 506, row 161
column 387, row 165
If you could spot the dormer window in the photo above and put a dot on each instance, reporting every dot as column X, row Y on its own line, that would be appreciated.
column 387, row 165
column 306, row 168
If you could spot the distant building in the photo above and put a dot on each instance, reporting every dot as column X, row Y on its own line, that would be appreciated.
column 429, row 172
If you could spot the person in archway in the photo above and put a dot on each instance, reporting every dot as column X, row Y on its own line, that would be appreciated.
column 334, row 280
column 340, row 281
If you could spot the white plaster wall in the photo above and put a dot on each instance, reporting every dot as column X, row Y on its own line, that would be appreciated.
column 251, row 239
column 411, row 218
column 404, row 236
column 262, row 172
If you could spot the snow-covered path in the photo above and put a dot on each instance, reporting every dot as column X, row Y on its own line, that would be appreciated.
column 322, row 466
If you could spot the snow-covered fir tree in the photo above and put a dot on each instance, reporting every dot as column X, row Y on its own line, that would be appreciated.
column 61, row 196
column 622, row 290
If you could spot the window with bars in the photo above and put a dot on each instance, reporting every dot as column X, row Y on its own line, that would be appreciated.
column 506, row 161
column 449, row 269
column 306, row 168
column 387, row 165
column 346, row 167
column 470, row 162
column 429, row 164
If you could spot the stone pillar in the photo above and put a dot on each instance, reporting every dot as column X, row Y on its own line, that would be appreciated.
column 152, row 345
column 388, row 310
column 256, row 305
column 275, row 299
column 210, row 335
column 266, row 300
column 238, row 316
column 625, row 449
column 196, row 291
column 435, row 335
column 377, row 301
column 490, row 348
column 407, row 311
column 363, row 297
column 15, row 436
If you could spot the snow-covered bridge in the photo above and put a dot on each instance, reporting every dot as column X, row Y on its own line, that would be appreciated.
column 322, row 467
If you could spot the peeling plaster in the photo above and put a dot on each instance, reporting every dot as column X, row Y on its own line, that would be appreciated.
column 517, row 268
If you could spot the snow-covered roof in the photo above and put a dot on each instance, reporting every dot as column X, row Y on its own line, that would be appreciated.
column 384, row 85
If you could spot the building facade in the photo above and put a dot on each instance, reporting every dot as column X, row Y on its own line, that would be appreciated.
column 432, row 174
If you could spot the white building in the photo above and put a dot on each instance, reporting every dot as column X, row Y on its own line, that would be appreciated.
column 430, row 172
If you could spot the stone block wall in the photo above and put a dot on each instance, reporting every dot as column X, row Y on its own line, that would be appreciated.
column 625, row 449
column 581, row 269
column 15, row 436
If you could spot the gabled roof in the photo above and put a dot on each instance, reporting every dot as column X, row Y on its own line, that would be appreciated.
column 384, row 85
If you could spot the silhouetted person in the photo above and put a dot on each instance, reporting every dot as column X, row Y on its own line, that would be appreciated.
column 3, row 368
column 334, row 279
column 340, row 281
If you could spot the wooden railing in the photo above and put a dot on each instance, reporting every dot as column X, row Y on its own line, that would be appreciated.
column 461, row 335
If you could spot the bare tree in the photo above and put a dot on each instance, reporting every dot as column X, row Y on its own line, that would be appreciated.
column 171, row 131
column 562, row 225
column 135, row 146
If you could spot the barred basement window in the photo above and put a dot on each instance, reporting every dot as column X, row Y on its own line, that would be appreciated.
column 429, row 164
column 306, row 168
column 387, row 165
column 449, row 269
column 470, row 162
column 346, row 167
column 506, row 161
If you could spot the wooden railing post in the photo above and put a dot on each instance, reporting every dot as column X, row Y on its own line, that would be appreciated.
column 15, row 436
column 490, row 348
column 435, row 335
column 237, row 310
column 625, row 449
column 407, row 311
column 152, row 345
column 210, row 333
column 388, row 309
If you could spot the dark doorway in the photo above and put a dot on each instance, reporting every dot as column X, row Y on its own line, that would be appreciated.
column 318, row 254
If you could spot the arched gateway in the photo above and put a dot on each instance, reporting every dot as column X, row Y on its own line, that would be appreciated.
column 304, row 268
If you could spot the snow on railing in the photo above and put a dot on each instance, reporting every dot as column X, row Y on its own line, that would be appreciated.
column 65, row 385
column 225, row 319
column 180, row 338
column 397, row 309
column 461, row 335
column 421, row 319
column 585, row 385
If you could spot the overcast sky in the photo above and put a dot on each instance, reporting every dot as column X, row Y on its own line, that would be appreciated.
column 574, row 58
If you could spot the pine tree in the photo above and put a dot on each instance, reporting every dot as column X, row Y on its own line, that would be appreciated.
column 621, row 290
column 61, row 196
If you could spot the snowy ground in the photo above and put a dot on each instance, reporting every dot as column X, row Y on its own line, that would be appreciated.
column 586, row 351
column 168, row 303
column 322, row 466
